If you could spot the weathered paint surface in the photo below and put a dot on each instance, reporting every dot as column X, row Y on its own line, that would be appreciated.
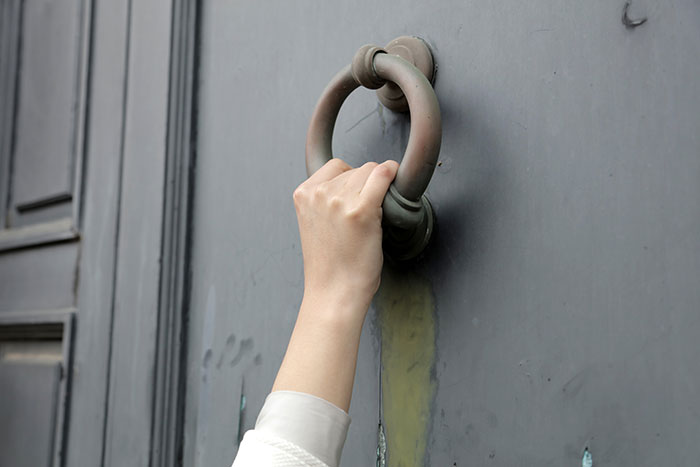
column 407, row 319
column 563, row 270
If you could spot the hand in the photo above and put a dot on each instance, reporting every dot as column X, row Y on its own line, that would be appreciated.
column 339, row 210
column 340, row 221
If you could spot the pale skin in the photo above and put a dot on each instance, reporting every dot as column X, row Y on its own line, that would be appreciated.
column 339, row 211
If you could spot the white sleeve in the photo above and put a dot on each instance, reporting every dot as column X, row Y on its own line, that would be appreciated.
column 295, row 429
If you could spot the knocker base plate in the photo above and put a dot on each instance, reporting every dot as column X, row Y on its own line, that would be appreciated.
column 415, row 51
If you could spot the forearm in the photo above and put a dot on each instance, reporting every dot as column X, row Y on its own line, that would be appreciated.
column 340, row 215
column 322, row 352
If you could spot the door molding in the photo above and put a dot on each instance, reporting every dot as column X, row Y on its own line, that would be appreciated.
column 171, row 352
column 145, row 394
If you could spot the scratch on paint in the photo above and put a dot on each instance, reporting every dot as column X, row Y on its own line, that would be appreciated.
column 381, row 447
column 361, row 120
column 241, row 413
column 405, row 304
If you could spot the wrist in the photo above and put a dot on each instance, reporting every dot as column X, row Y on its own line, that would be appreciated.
column 335, row 306
column 322, row 352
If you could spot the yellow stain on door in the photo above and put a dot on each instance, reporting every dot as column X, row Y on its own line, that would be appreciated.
column 407, row 320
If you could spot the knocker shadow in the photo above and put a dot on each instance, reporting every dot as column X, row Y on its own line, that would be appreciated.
column 465, row 188
column 466, row 193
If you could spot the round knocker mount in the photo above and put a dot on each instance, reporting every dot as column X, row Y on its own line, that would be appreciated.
column 402, row 71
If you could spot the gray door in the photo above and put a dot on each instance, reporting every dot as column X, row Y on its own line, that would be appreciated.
column 557, row 309
column 42, row 113
column 93, row 94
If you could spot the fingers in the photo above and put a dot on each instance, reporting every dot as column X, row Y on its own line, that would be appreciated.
column 329, row 171
column 378, row 182
column 370, row 182
column 358, row 177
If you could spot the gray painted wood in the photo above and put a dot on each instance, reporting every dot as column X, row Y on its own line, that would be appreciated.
column 247, row 271
column 565, row 268
column 130, row 404
column 10, row 21
column 44, row 214
column 43, row 78
column 28, row 406
column 39, row 278
column 46, row 109
column 42, row 144
column 38, row 234
column 27, row 340
column 99, row 225
column 170, row 366
column 570, row 233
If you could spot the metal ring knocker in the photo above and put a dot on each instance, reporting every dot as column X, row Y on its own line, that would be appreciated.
column 407, row 215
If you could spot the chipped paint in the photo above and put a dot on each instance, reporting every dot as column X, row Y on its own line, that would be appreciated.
column 241, row 414
column 381, row 447
column 406, row 315
column 587, row 459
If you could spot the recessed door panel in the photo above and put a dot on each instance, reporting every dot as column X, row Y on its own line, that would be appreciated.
column 46, row 113
column 27, row 413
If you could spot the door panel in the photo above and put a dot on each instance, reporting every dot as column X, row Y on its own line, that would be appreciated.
column 44, row 140
column 27, row 401
column 43, row 86
column 38, row 278
column 43, row 89
column 57, row 251
column 557, row 306
column 35, row 357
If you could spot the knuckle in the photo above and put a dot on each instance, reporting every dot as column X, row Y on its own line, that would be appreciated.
column 335, row 202
column 335, row 162
column 383, row 170
column 299, row 194
column 321, row 190
column 361, row 214
column 356, row 214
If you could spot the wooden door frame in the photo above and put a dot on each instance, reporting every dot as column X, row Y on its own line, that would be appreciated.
column 164, row 122
column 175, row 283
column 127, row 404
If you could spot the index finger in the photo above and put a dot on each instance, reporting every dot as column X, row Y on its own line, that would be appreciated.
column 378, row 182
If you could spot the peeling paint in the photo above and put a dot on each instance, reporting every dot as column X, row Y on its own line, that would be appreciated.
column 406, row 314
column 381, row 447
column 241, row 414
